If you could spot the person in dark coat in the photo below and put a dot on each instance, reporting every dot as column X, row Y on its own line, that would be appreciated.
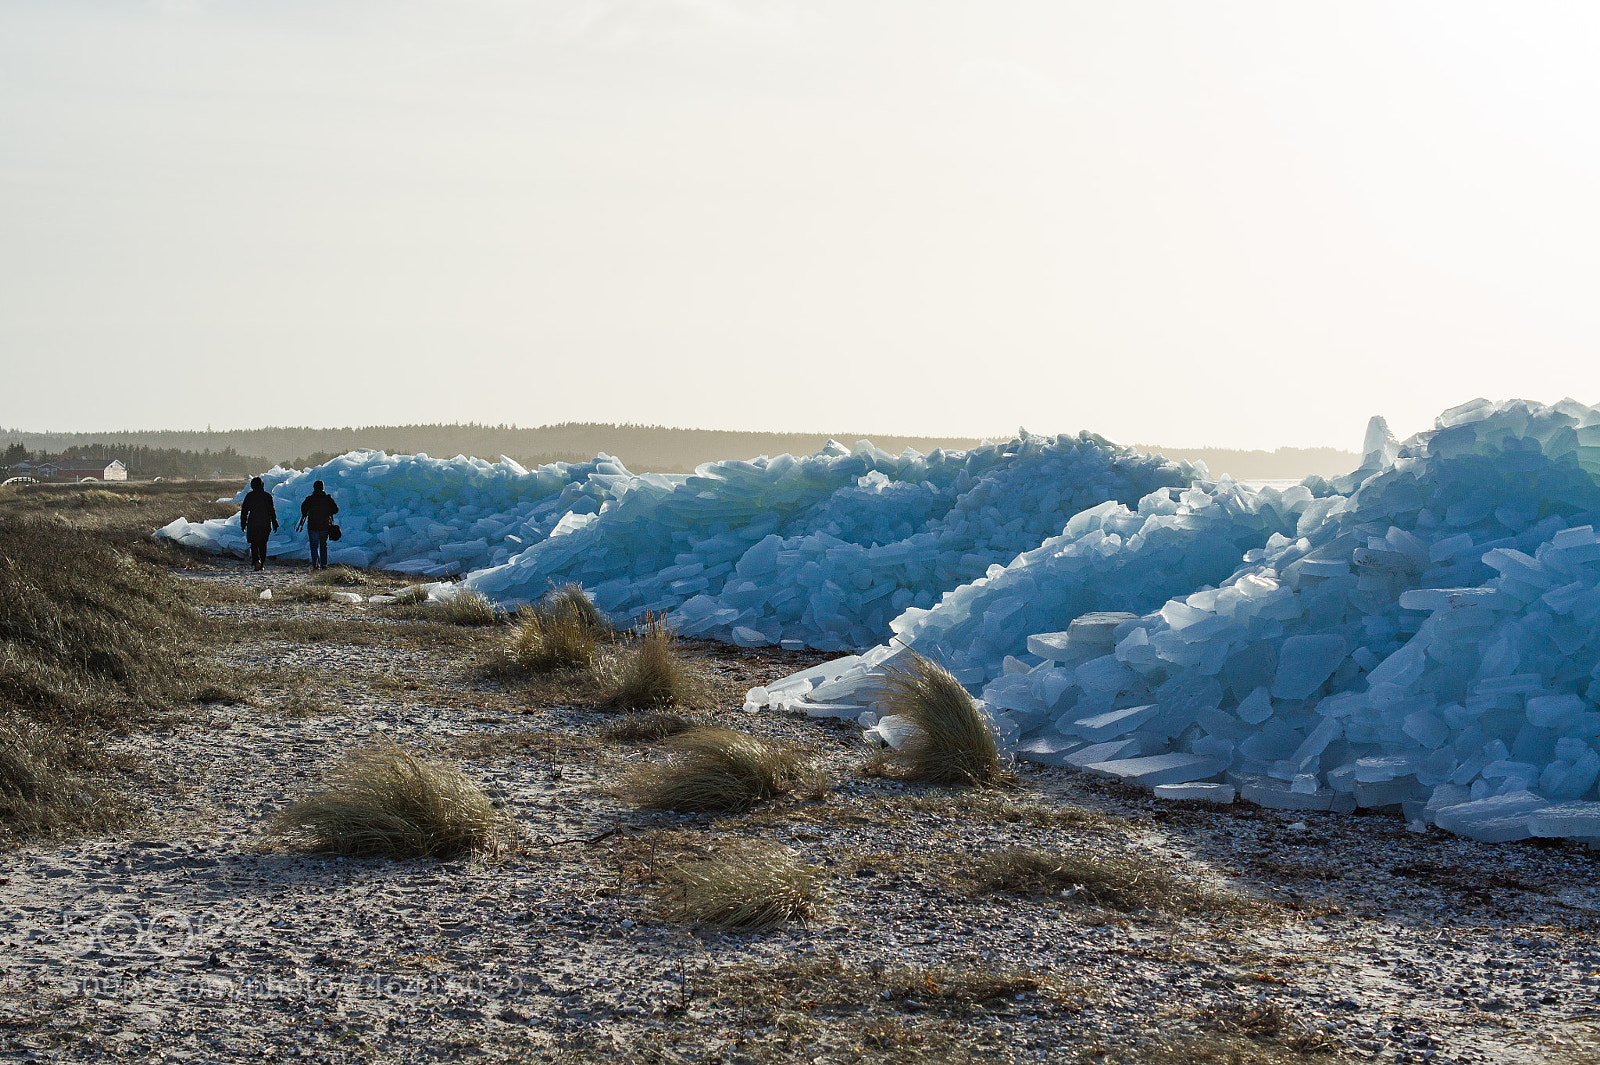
column 259, row 520
column 316, row 514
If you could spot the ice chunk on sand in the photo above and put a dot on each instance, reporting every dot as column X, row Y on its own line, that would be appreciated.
column 1196, row 791
column 1496, row 819
column 1571, row 820
column 1158, row 768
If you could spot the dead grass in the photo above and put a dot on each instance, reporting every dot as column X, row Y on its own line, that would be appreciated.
column 1096, row 879
column 651, row 727
column 752, row 886
column 386, row 802
column 656, row 675
column 1209, row 1049
column 1002, row 809
column 950, row 743
column 91, row 640
column 833, row 985
column 100, row 497
column 572, row 599
column 556, row 635
column 341, row 577
column 464, row 608
column 53, row 783
column 713, row 770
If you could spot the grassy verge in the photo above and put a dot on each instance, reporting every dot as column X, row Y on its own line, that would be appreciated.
column 91, row 641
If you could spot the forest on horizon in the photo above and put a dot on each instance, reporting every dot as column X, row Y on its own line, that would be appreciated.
column 642, row 448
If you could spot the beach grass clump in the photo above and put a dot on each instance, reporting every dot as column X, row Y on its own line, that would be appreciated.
column 341, row 577
column 384, row 801
column 948, row 742
column 650, row 726
column 1115, row 882
column 750, row 887
column 464, row 608
column 572, row 600
column 656, row 675
column 562, row 632
column 715, row 770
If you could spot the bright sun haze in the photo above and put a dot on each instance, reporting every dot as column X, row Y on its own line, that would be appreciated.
column 1235, row 224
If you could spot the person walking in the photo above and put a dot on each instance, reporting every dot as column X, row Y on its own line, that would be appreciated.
column 258, row 517
column 316, row 514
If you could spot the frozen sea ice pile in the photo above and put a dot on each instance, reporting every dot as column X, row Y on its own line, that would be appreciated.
column 416, row 514
column 823, row 551
column 1423, row 632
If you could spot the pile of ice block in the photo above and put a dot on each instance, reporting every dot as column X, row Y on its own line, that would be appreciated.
column 415, row 514
column 824, row 551
column 1424, row 632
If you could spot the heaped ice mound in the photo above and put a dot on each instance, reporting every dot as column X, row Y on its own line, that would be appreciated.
column 1429, row 637
column 421, row 515
column 1107, row 558
column 824, row 551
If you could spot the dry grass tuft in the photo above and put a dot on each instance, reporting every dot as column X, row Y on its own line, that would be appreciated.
column 386, row 802
column 572, row 599
column 751, row 887
column 99, row 497
column 650, row 727
column 49, row 785
column 1114, row 882
column 656, row 675
column 411, row 595
column 340, row 577
column 561, row 633
column 715, row 770
column 464, row 608
column 950, row 742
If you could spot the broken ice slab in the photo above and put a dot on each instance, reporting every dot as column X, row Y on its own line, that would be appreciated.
column 1102, row 752
column 1048, row 750
column 891, row 731
column 1370, row 795
column 1304, row 662
column 1496, row 819
column 1275, row 795
column 807, row 679
column 1113, row 723
column 1197, row 791
column 1054, row 646
column 345, row 597
column 1156, row 769
column 1096, row 629
column 1569, row 820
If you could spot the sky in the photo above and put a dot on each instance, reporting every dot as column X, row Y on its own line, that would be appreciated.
column 1234, row 224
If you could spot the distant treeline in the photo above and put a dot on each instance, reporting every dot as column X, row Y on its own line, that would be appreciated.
column 1284, row 463
column 642, row 448
column 143, row 462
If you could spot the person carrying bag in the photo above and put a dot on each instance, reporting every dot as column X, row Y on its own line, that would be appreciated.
column 316, row 517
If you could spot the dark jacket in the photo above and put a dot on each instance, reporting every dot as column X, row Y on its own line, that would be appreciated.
column 257, row 515
column 318, row 510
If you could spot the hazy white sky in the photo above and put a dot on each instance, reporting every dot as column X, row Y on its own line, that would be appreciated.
column 1238, row 224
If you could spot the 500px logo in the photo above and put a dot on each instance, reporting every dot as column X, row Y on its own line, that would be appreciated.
column 166, row 933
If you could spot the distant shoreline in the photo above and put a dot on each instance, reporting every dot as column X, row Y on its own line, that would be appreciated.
column 641, row 448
